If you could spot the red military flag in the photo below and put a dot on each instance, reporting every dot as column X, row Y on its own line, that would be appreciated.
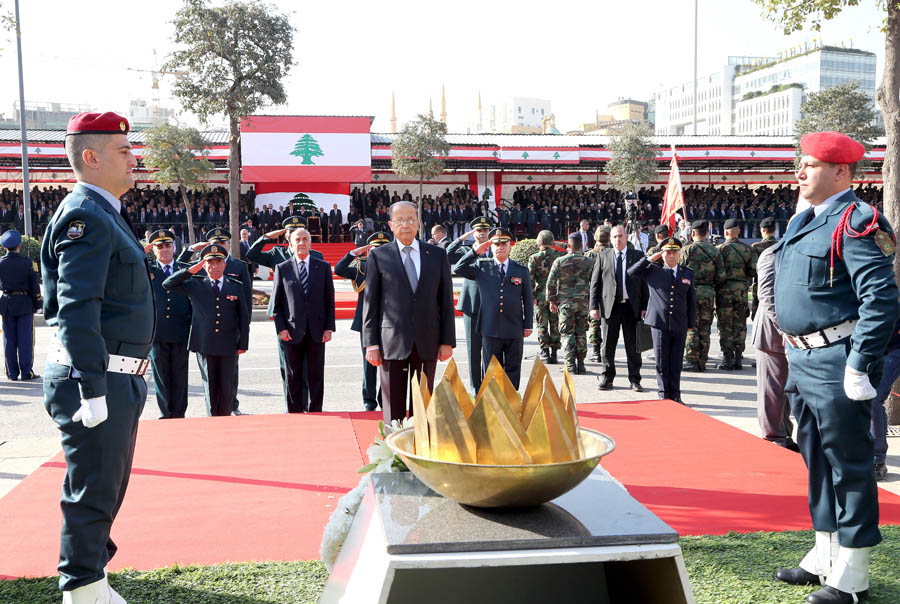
column 674, row 197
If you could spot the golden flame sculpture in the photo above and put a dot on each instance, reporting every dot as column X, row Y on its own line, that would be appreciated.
column 498, row 427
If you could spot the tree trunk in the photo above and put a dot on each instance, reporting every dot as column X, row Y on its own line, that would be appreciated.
column 187, row 211
column 888, row 96
column 419, row 211
column 234, row 185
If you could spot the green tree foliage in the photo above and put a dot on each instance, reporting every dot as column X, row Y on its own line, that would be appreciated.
column 633, row 158
column 418, row 150
column 30, row 248
column 307, row 147
column 171, row 154
column 843, row 108
column 236, row 57
column 7, row 24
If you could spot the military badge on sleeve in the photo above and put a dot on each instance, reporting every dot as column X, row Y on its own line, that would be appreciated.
column 885, row 242
column 76, row 230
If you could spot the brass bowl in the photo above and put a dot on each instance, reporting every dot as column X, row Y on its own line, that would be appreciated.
column 487, row 486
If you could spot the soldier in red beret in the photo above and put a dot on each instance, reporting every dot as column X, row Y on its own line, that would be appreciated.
column 98, row 296
column 835, row 302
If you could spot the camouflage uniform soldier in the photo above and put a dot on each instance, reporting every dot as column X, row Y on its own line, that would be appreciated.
column 767, row 229
column 547, row 322
column 731, row 299
column 661, row 232
column 568, row 291
column 601, row 235
column 709, row 274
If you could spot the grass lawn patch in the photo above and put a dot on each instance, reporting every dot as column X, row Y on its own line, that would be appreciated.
column 728, row 569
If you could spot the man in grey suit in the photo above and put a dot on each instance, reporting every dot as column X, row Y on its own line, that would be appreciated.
column 772, row 407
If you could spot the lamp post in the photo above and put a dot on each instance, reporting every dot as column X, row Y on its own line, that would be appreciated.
column 26, row 193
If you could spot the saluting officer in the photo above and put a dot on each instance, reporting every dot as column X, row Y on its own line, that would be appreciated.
column 270, row 259
column 169, row 355
column 220, row 323
column 836, row 303
column 469, row 298
column 739, row 261
column 506, row 302
column 20, row 298
column 671, row 311
column 353, row 266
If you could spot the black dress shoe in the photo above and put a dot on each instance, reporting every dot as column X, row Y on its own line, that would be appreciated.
column 830, row 595
column 796, row 576
column 605, row 385
column 880, row 471
column 636, row 387
column 371, row 407
column 31, row 376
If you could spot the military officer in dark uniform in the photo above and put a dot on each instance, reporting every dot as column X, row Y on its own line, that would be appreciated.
column 169, row 355
column 220, row 323
column 353, row 266
column 836, row 303
column 469, row 298
column 507, row 311
column 97, row 294
column 20, row 298
column 671, row 311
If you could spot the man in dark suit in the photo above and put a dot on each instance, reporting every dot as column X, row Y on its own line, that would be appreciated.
column 408, row 317
column 619, row 301
column 439, row 236
column 671, row 311
column 335, row 223
column 20, row 298
column 303, row 310
column 587, row 240
column 505, row 318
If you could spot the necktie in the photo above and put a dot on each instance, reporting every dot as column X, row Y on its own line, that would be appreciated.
column 410, row 268
column 215, row 285
column 619, row 263
column 304, row 278
column 808, row 217
column 167, row 270
column 502, row 273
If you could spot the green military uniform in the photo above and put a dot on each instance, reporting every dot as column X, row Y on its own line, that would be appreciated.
column 758, row 248
column 595, row 331
column 568, row 286
column 547, row 323
column 739, row 260
column 709, row 274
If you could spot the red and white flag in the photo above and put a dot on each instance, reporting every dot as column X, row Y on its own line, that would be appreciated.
column 293, row 148
column 674, row 197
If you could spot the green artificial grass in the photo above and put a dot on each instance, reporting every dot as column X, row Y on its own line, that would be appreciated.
column 728, row 569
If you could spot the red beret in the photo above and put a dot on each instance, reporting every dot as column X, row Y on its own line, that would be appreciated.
column 833, row 147
column 97, row 123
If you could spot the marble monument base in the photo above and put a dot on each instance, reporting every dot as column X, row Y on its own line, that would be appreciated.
column 597, row 544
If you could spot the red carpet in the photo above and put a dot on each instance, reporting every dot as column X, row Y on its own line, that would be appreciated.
column 211, row 490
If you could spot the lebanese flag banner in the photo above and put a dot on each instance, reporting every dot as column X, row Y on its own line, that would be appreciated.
column 323, row 195
column 294, row 148
column 674, row 197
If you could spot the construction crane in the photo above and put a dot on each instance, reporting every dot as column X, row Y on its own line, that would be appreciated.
column 155, row 74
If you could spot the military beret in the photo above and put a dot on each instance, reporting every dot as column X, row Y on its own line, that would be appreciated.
column 670, row 243
column 481, row 223
column 161, row 236
column 97, row 123
column 294, row 222
column 11, row 239
column 700, row 224
column 218, row 234
column 213, row 250
column 661, row 229
column 833, row 147
column 767, row 223
column 378, row 238
column 500, row 235
column 732, row 222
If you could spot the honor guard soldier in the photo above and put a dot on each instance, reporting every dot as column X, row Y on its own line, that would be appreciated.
column 539, row 265
column 97, row 295
column 272, row 258
column 568, row 293
column 670, row 312
column 595, row 331
column 767, row 229
column 709, row 274
column 732, row 309
column 836, row 303
column 469, row 298
column 234, row 269
column 220, row 324
column 506, row 302
column 353, row 266
column 20, row 298
column 169, row 355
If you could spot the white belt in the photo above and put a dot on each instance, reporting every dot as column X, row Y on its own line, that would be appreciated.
column 117, row 363
column 823, row 337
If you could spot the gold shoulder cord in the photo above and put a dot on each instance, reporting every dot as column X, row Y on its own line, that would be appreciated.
column 359, row 288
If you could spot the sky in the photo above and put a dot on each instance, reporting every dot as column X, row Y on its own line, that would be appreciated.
column 352, row 55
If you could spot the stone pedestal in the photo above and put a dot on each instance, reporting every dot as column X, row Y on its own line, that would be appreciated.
column 597, row 544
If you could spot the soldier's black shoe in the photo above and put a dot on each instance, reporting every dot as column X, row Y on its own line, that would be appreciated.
column 605, row 384
column 572, row 368
column 736, row 363
column 690, row 366
column 796, row 576
column 580, row 369
column 701, row 368
column 880, row 471
column 595, row 356
column 545, row 355
column 637, row 387
column 727, row 363
column 830, row 595
column 552, row 360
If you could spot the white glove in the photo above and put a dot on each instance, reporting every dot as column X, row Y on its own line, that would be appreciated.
column 857, row 386
column 92, row 412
